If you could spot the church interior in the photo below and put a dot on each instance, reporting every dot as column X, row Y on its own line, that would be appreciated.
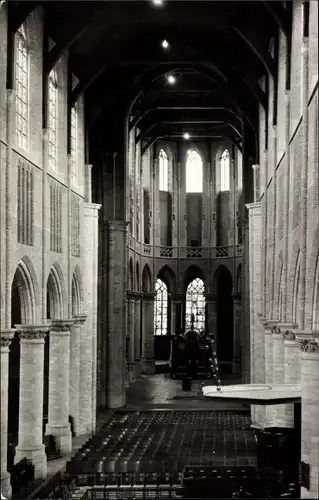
column 159, row 261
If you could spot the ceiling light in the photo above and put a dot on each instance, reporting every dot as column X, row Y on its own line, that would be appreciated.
column 165, row 44
column 158, row 3
column 186, row 136
column 171, row 79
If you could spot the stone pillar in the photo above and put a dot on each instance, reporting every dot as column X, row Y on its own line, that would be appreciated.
column 236, row 363
column 211, row 303
column 292, row 369
column 286, row 202
column 268, row 325
column 256, row 169
column 177, row 301
column 6, row 337
column 148, row 360
column 138, row 298
column 156, row 206
column 59, row 385
column 278, row 355
column 310, row 413
column 117, row 313
column 30, row 443
column 257, row 347
column 75, row 353
column 88, row 331
column 131, row 334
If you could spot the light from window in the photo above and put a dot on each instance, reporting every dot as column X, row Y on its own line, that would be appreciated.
column 163, row 170
column 160, row 308
column 21, row 76
column 73, row 143
column 224, row 171
column 195, row 305
column 194, row 172
column 52, row 119
column 239, row 171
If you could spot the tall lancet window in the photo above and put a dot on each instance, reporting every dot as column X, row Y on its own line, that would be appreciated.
column 163, row 170
column 73, row 143
column 224, row 171
column 52, row 119
column 195, row 305
column 160, row 308
column 194, row 172
column 22, row 87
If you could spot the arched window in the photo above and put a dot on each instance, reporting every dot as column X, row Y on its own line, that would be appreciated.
column 22, row 87
column 160, row 308
column 194, row 172
column 52, row 119
column 163, row 170
column 73, row 143
column 195, row 305
column 224, row 171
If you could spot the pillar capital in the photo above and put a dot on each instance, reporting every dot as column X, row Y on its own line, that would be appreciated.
column 61, row 326
column 289, row 335
column 6, row 337
column 79, row 319
column 130, row 295
column 149, row 296
column 29, row 333
column 269, row 324
column 236, row 296
column 117, row 225
column 138, row 296
column 309, row 345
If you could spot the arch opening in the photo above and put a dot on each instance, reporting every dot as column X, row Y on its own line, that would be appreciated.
column 195, row 310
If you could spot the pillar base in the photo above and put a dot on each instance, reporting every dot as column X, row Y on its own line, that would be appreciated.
column 6, row 490
column 148, row 366
column 138, row 368
column 116, row 400
column 37, row 457
column 131, row 372
column 62, row 436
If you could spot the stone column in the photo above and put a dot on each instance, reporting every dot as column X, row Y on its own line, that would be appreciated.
column 6, row 337
column 236, row 363
column 131, row 334
column 256, row 169
column 177, row 301
column 278, row 355
column 59, row 385
column 156, row 206
column 268, row 325
column 211, row 302
column 310, row 413
column 292, row 369
column 117, row 313
column 30, row 443
column 87, row 403
column 138, row 298
column 75, row 353
column 148, row 360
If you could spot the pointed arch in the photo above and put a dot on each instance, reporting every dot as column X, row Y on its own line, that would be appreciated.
column 137, row 283
column 77, row 291
column 56, row 293
column 191, row 273
column 194, row 172
column 130, row 275
column 291, row 281
column 146, row 279
column 167, row 275
column 28, row 288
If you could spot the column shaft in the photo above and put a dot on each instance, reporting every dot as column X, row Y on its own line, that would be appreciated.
column 117, row 313
column 131, row 335
column 30, row 443
column 75, row 353
column 148, row 361
column 236, row 364
column 292, row 370
column 138, row 334
column 59, row 385
column 6, row 336
column 279, row 411
column 310, row 413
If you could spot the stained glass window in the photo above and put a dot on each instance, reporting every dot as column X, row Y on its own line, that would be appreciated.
column 195, row 305
column 163, row 170
column 194, row 172
column 160, row 308
column 52, row 119
column 22, row 87
column 224, row 171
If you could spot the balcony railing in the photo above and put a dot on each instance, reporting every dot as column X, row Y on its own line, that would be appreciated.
column 170, row 252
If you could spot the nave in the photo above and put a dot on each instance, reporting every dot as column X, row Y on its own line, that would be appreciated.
column 170, row 443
